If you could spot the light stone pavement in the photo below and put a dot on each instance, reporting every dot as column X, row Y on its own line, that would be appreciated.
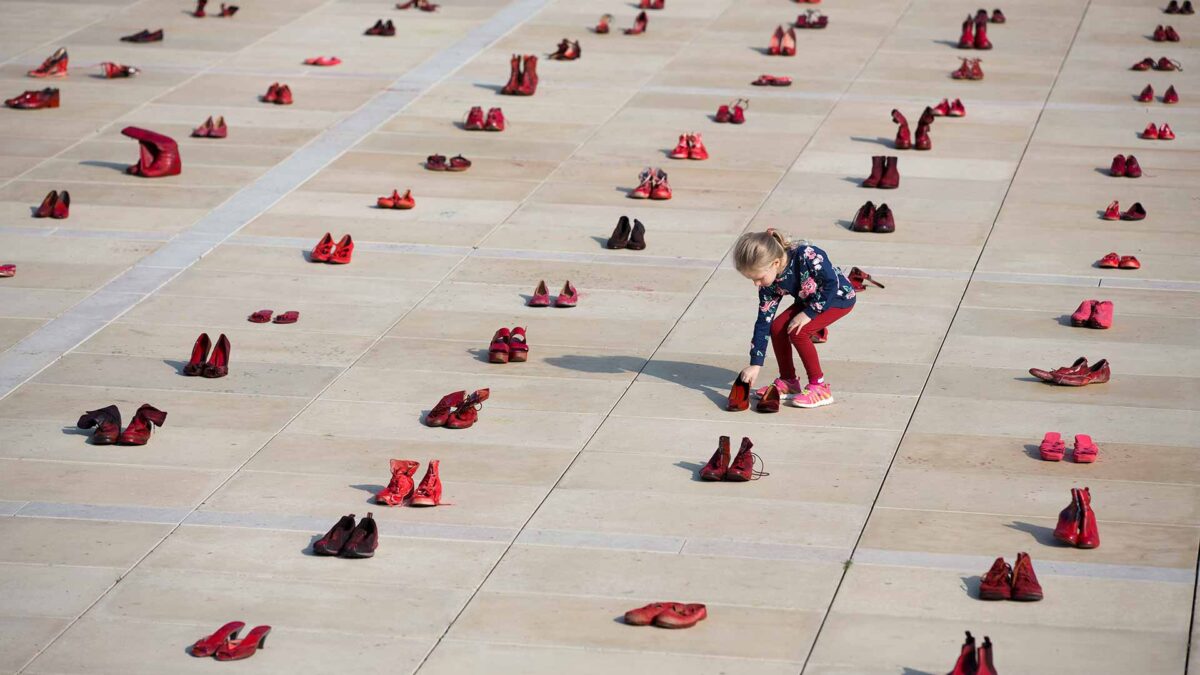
column 575, row 497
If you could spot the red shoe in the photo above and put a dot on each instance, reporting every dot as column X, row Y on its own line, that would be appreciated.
column 529, row 76
column 324, row 61
column 1102, row 315
column 202, row 130
column 144, row 35
column 405, row 202
column 288, row 317
column 199, row 13
column 218, row 361
column 514, row 76
column 981, row 38
column 864, row 220
column 62, row 207
column 567, row 297
column 195, row 365
column 1132, row 168
column 976, row 71
column 1089, row 531
column 541, row 295
column 769, row 403
column 821, row 336
column 388, row 201
column 261, row 316
column 872, row 181
column 228, row 11
column 681, row 616
column 942, row 109
column 1085, row 451
column 158, row 155
column 737, row 114
column 207, row 646
column 645, row 185
column 1165, row 133
column 602, row 27
column 236, row 650
column 323, row 251
column 495, row 120
column 1109, row 262
column 776, row 45
column 1143, row 65
column 858, row 279
column 1025, row 586
column 718, row 464
column 967, row 663
column 1160, row 35
column 1171, row 35
column 1081, row 316
column 107, row 422
column 1147, row 94
column 967, row 39
column 696, row 149
column 46, row 209
column 401, row 485
column 644, row 616
column 1080, row 365
column 363, row 540
column 1118, row 167
column 285, row 95
column 1150, row 132
column 885, row 221
column 903, row 135
column 1129, row 262
column 518, row 346
column 639, row 25
column 218, row 129
column 335, row 539
column 1052, row 448
column 435, row 162
column 772, row 81
column 1172, row 7
column 55, row 66
column 474, row 121
column 662, row 189
column 345, row 249
column 681, row 149
column 7, row 270
column 787, row 47
column 498, row 350
column 429, row 492
column 458, row 163
column 742, row 468
column 35, row 100
column 1099, row 373
column 964, row 70
column 1171, row 96
column 985, row 658
column 1067, row 530
column 138, row 432
column 1113, row 212
column 739, row 396
column 997, row 584
column 441, row 412
column 272, row 95
column 1166, row 64
column 998, row 16
column 923, row 140
column 467, row 412
column 891, row 174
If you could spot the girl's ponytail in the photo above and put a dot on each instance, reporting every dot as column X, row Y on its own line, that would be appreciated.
column 755, row 250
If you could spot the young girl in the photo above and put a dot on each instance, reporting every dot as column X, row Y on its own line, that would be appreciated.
column 821, row 296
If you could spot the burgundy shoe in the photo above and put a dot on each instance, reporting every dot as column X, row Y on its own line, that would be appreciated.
column 541, row 295
column 1102, row 315
column 637, row 239
column 62, row 207
column 1081, row 316
column 144, row 35
column 967, row 39
column 864, row 220
column 997, row 584
column 495, row 120
column 467, row 412
column 644, row 616
column 858, row 279
column 1166, row 64
column 966, row 663
column 35, row 100
column 981, row 38
column 567, row 297
column 1052, row 448
column 441, row 412
column 998, row 16
column 474, row 120
column 144, row 420
column 681, row 616
column 639, row 25
column 498, row 349
column 46, row 209
column 718, row 464
column 681, row 148
column 518, row 346
column 1160, row 34
column 1147, row 94
column 620, row 234
column 1171, row 35
column 1080, row 365
column 228, row 11
column 924, row 142
column 195, row 365
column 363, row 540
column 1089, row 531
column 769, row 403
column 742, row 468
column 1025, row 586
column 1172, row 7
column 1067, row 530
column 903, row 135
column 514, row 76
column 107, row 422
column 885, row 222
column 662, row 189
column 1097, row 374
column 429, row 492
column 1171, row 96
column 458, row 163
column 158, row 154
column 872, row 181
column 529, row 76
column 55, row 66
column 1165, row 133
column 942, row 109
column 218, row 361
column 285, row 95
column 891, row 174
column 1113, row 212
column 986, row 667
column 1118, row 167
column 335, row 538
column 739, row 396
column 1143, row 65
column 199, row 13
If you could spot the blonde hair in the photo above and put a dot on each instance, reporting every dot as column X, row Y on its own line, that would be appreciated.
column 755, row 250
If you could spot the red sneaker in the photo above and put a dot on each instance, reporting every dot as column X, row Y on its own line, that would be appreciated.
column 1089, row 531
column 429, row 492
column 495, row 120
column 681, row 148
column 401, row 485
column 1052, row 448
column 441, row 412
column 1102, row 315
column 541, row 295
column 644, row 616
column 272, row 95
column 362, row 542
column 662, row 189
column 1085, row 451
column 474, row 121
column 1150, row 132
column 1067, row 530
column 1081, row 316
column 681, row 616
column 1025, row 586
column 957, row 109
column 718, row 464
column 997, row 583
column 467, row 412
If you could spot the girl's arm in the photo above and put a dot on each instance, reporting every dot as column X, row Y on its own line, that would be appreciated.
column 768, row 304
column 825, row 275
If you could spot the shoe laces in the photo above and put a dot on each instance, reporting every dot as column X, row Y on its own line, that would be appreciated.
column 756, row 473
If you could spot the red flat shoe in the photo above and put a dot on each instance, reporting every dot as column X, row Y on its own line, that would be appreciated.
column 1128, row 262
column 107, row 422
column 35, row 100
column 996, row 584
column 1083, row 314
column 343, row 252
column 1113, row 212
column 498, row 350
column 218, row 129
column 495, row 120
column 739, row 396
column 1118, row 167
column 1025, row 586
column 138, row 432
column 1080, row 365
column 1132, row 168
column 1147, row 94
column 1150, row 132
column 718, row 464
column 769, row 403
column 1109, row 262
column 541, row 295
column 1085, row 451
column 335, row 539
column 737, row 114
column 942, row 109
column 1052, row 447
column 1171, row 35
column 46, row 209
column 957, row 109
column 518, row 346
column 644, row 616
column 441, row 412
column 207, row 646
column 458, row 163
column 1099, row 373
column 1102, row 315
column 324, row 61
column 662, row 189
column 567, row 297
column 261, row 316
column 681, row 616
column 272, row 95
column 435, row 162
column 401, row 484
column 237, row 650
column 55, row 66
column 467, row 412
column 1143, row 65
column 218, row 361
column 290, row 316
column 858, row 279
column 1135, row 212
column 323, row 251
column 285, row 95
column 403, row 202
column 429, row 492
column 388, row 201
column 202, row 130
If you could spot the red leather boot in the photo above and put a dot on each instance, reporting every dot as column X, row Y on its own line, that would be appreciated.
column 1067, row 530
column 107, row 422
column 872, row 181
column 429, row 492
column 401, row 485
column 467, row 412
column 967, row 663
column 1025, row 586
column 441, row 412
column 138, row 432
column 967, row 39
column 981, row 38
column 514, row 77
column 891, row 174
column 742, row 468
column 923, row 140
column 986, row 667
column 997, row 584
column 718, row 464
column 903, row 135
column 1089, row 531
column 159, row 154
column 529, row 76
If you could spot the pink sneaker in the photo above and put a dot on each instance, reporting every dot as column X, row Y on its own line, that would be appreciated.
column 813, row 396
column 788, row 389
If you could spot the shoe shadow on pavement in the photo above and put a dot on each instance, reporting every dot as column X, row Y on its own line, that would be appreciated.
column 496, row 88
column 371, row 489
column 177, row 365
column 1034, row 452
column 970, row 585
column 913, row 671
column 119, row 166
column 948, row 43
column 878, row 140
column 845, row 224
column 693, row 467
column 1042, row 534
column 308, row 550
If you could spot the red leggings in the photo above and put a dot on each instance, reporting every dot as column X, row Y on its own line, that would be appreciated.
column 782, row 342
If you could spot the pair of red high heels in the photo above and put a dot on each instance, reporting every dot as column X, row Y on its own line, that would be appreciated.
column 349, row 540
column 401, row 488
column 1093, row 314
column 158, row 155
column 568, row 297
column 783, row 43
column 871, row 218
column 972, row 661
column 1135, row 212
column 35, row 99
column 1053, row 449
column 1077, row 523
column 652, row 184
column 211, row 129
column 203, row 364
column 969, row 70
column 107, row 422
column 1112, row 261
column 224, row 644
column 904, row 139
column 739, row 470
column 335, row 254
column 1169, row 97
column 1015, row 582
column 457, row 410
column 509, row 346
column 523, row 79
column 279, row 94
column 1163, row 133
column 397, row 201
column 948, row 109
column 477, row 121
column 1125, row 167
column 667, row 615
column 690, row 146
column 54, row 66
column 885, row 173
column 55, row 205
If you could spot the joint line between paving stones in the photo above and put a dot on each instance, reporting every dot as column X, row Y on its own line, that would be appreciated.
column 974, row 269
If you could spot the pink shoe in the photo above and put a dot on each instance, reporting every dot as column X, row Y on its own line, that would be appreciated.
column 787, row 388
column 1052, row 447
column 813, row 396
column 1082, row 315
column 1085, row 450
column 1102, row 315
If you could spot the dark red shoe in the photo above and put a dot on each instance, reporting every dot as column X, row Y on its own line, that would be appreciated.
column 46, row 209
column 195, row 365
column 1150, row 132
column 872, row 181
column 885, row 221
column 401, row 484
column 541, row 295
column 967, row 39
column 343, row 252
column 967, row 663
column 742, row 468
column 718, row 464
column 518, row 346
column 903, row 134
column 1118, row 167
column 1171, row 35
column 864, row 220
column 441, row 412
column 1147, row 94
column 236, row 650
column 529, row 76
column 567, row 297
column 158, row 154
column 1170, row 96
column 1083, row 314
column 335, row 539
column 1099, row 373
column 363, row 540
column 199, row 13
column 1080, row 365
column 495, row 120
column 891, row 174
column 1160, row 34
column 1166, row 64
column 1132, row 168
column 144, row 35
column 55, row 66
column 207, row 646
column 1165, row 133
column 621, row 233
column 429, row 492
column 858, row 279
column 998, row 16
column 458, row 163
column 644, row 616
column 272, row 95
column 35, row 100
column 1110, row 261
column 942, row 109
column 1143, row 65
column 602, row 26
column 1025, row 586
column 285, row 95
column 1067, row 530
column 739, row 396
column 107, row 422
column 639, row 25
column 218, row 361
column 986, row 667
column 514, row 77
column 997, row 584
column 769, row 403
column 1089, row 531
column 467, row 412
column 498, row 349
column 924, row 142
column 981, row 38
column 681, row 616
column 228, row 11
column 139, row 429
column 474, row 121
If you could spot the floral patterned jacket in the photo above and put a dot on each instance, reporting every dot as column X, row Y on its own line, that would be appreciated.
column 812, row 280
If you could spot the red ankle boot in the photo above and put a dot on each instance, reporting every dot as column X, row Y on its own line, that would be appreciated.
column 742, row 468
column 529, row 76
column 107, row 422
column 872, row 181
column 923, row 140
column 986, row 667
column 967, row 663
column 681, row 148
column 1089, row 531
column 429, row 492
column 1067, row 530
column 138, row 432
column 195, row 365
column 1025, row 586
column 891, row 174
column 218, row 361
column 514, row 76
column 997, row 584
column 903, row 135
column 159, row 154
column 718, row 464
column 981, row 38
column 967, row 39
column 441, row 412
column 401, row 485
column 467, row 412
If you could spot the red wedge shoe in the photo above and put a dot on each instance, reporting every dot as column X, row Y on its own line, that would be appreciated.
column 138, row 432
column 718, row 464
column 1089, row 531
column 236, row 650
column 644, row 616
column 541, row 295
column 195, row 365
column 429, row 492
column 518, row 346
column 46, row 209
column 323, row 251
column 55, row 66
column 1052, row 448
column 498, row 350
column 106, row 421
column 343, row 252
column 467, row 412
column 441, row 412
column 401, row 484
column 996, row 584
column 742, row 470
column 1102, row 315
column 1067, row 530
column 681, row 616
column 218, row 361
column 1083, row 314
column 207, row 646
column 967, row 663
column 1025, row 586
column 739, row 396
column 567, row 297
column 1085, row 451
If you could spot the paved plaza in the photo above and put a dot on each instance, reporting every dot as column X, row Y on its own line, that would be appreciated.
column 576, row 495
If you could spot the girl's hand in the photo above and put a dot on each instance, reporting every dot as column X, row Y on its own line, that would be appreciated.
column 797, row 323
column 749, row 374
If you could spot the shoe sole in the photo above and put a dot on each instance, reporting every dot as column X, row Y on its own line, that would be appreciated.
column 818, row 404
